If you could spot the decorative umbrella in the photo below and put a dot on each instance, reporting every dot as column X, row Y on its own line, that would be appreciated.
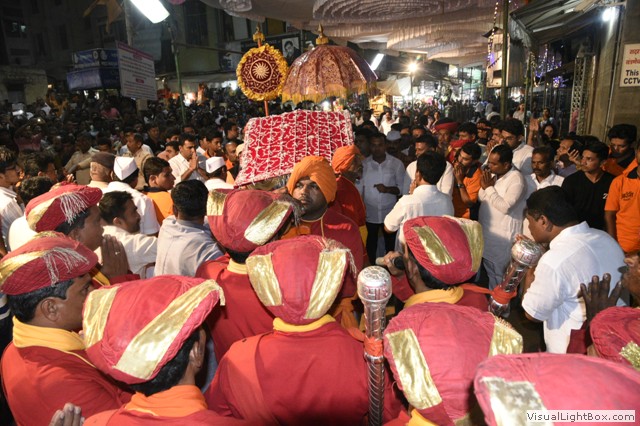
column 327, row 71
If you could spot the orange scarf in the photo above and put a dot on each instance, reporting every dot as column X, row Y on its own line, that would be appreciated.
column 452, row 295
column 179, row 401
column 418, row 420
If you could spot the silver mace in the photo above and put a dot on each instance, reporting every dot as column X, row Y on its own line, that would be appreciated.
column 374, row 289
column 524, row 255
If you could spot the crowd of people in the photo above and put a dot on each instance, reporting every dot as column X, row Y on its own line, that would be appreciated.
column 140, row 285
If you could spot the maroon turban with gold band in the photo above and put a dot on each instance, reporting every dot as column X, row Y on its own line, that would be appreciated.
column 133, row 329
column 446, row 124
column 434, row 349
column 508, row 386
column 450, row 248
column 46, row 260
column 343, row 157
column 319, row 171
column 242, row 220
column 615, row 333
column 298, row 279
column 61, row 204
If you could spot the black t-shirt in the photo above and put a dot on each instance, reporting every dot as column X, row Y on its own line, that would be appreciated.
column 588, row 198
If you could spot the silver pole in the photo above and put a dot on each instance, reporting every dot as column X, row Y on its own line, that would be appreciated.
column 374, row 289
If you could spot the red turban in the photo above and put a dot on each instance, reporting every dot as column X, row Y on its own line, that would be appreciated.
column 298, row 279
column 61, row 204
column 450, row 248
column 343, row 157
column 508, row 386
column 451, row 126
column 242, row 220
column 319, row 171
column 615, row 333
column 46, row 260
column 434, row 350
column 133, row 329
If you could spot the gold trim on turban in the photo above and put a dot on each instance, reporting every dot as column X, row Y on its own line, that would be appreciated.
column 215, row 203
column 96, row 313
column 264, row 280
column 327, row 282
column 631, row 352
column 155, row 339
column 433, row 246
column 473, row 231
column 505, row 340
column 413, row 371
column 511, row 400
column 264, row 226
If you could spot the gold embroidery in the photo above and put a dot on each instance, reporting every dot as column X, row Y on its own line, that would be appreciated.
column 37, row 212
column 266, row 224
column 631, row 352
column 327, row 282
column 96, row 312
column 433, row 246
column 413, row 371
column 237, row 268
column 505, row 339
column 473, row 231
column 156, row 337
column 215, row 203
column 263, row 280
column 511, row 400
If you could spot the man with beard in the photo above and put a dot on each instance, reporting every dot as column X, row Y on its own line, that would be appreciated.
column 123, row 223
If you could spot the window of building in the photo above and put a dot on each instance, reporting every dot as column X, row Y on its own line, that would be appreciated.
column 225, row 27
column 64, row 41
column 195, row 23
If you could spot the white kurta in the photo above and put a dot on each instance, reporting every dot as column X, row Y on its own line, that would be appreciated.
column 179, row 165
column 141, row 250
column 10, row 210
column 389, row 173
column 575, row 255
column 148, row 221
column 532, row 186
column 501, row 215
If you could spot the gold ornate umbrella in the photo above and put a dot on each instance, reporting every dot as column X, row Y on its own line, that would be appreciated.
column 327, row 71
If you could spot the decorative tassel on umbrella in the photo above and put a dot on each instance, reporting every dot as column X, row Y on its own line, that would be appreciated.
column 327, row 71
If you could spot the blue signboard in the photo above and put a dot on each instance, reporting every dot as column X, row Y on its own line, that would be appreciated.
column 94, row 78
column 94, row 58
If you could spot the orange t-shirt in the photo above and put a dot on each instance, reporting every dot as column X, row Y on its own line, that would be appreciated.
column 472, row 184
column 162, row 203
column 624, row 199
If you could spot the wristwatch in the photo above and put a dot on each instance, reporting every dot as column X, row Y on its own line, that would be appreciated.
column 459, row 185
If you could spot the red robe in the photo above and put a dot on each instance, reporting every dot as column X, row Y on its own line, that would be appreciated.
column 403, row 291
column 349, row 201
column 316, row 377
column 243, row 315
column 181, row 406
column 37, row 381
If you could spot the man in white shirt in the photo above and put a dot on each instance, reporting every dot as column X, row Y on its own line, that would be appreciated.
column 186, row 165
column 134, row 143
column 502, row 201
column 425, row 143
column 425, row 200
column 10, row 210
column 185, row 242
column 127, row 172
column 513, row 136
column 123, row 222
column 576, row 254
column 382, row 178
column 542, row 176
